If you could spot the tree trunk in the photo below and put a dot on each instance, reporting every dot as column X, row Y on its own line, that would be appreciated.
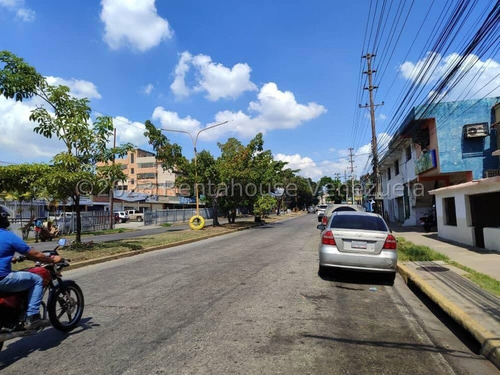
column 279, row 206
column 215, row 219
column 78, row 238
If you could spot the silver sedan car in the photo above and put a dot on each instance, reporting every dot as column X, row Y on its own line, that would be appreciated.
column 358, row 241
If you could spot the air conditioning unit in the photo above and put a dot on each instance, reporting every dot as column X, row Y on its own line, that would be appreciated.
column 475, row 130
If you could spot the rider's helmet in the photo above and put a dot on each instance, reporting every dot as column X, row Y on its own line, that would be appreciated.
column 4, row 217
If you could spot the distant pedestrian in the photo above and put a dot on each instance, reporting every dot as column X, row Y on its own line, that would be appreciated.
column 38, row 228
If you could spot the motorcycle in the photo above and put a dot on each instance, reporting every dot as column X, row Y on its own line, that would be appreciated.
column 428, row 221
column 64, row 306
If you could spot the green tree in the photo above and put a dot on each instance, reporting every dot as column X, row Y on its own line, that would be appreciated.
column 247, row 172
column 333, row 188
column 23, row 182
column 69, row 121
column 263, row 205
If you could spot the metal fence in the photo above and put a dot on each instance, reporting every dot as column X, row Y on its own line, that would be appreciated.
column 91, row 221
column 156, row 217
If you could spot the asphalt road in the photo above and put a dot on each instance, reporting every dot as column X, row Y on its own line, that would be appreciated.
column 246, row 303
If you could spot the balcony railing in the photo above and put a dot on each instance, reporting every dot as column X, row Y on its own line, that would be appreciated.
column 492, row 173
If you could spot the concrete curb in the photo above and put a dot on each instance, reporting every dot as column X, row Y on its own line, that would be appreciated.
column 490, row 345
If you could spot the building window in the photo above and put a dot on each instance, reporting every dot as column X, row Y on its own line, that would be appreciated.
column 408, row 153
column 450, row 214
column 388, row 174
column 146, row 165
column 132, row 181
column 132, row 158
column 396, row 167
column 131, row 170
column 146, row 176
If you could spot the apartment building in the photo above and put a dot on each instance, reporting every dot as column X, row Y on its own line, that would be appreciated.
column 446, row 145
column 145, row 175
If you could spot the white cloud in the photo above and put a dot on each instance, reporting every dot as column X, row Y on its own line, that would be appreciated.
column 18, row 141
column 179, row 86
column 148, row 89
column 171, row 120
column 17, row 6
column 274, row 109
column 78, row 88
column 310, row 168
column 217, row 80
column 26, row 15
column 128, row 131
column 307, row 166
column 133, row 23
column 483, row 78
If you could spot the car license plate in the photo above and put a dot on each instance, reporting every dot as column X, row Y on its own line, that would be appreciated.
column 358, row 244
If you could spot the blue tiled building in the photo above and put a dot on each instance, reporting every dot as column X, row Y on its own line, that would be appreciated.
column 437, row 146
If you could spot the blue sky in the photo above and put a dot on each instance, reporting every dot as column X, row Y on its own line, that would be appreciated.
column 289, row 69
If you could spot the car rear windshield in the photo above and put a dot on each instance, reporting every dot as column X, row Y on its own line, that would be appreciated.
column 360, row 222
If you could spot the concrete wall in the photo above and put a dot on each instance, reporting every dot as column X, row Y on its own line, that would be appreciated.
column 492, row 238
column 394, row 188
column 458, row 154
column 462, row 232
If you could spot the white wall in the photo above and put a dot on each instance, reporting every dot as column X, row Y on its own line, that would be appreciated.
column 462, row 232
column 492, row 238
column 394, row 188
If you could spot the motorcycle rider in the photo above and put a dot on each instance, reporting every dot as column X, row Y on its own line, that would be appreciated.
column 19, row 281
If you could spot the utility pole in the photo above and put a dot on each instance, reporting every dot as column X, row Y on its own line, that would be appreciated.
column 111, row 214
column 372, row 106
column 346, row 187
column 351, row 161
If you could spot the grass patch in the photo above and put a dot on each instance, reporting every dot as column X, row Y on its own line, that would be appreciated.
column 166, row 225
column 89, row 250
column 108, row 231
column 408, row 251
column 484, row 281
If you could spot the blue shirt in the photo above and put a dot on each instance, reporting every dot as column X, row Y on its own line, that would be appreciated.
column 9, row 245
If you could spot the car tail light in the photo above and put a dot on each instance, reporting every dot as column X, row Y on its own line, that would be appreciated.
column 327, row 238
column 390, row 243
column 324, row 220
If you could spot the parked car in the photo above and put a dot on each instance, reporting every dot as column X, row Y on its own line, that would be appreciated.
column 123, row 215
column 358, row 241
column 340, row 207
column 320, row 211
column 135, row 215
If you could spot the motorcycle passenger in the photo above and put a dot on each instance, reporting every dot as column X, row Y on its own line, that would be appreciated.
column 18, row 281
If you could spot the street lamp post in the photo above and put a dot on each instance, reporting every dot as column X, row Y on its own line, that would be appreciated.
column 195, row 140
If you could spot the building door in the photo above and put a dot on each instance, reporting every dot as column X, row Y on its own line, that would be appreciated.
column 401, row 210
column 484, row 210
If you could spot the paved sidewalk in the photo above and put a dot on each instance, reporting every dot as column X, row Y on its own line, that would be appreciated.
column 479, row 260
column 476, row 310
